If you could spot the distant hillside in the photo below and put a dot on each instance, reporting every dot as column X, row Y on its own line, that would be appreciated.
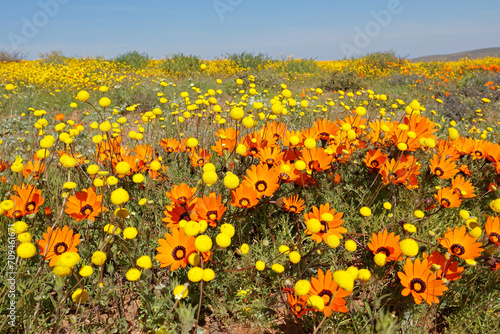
column 472, row 54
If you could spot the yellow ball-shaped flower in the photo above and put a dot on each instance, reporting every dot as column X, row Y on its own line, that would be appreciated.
column 203, row 243
column 83, row 96
column 223, row 240
column 195, row 274
column 231, row 181
column 119, row 196
column 302, row 287
column 260, row 265
column 80, row 296
column 26, row 250
column 98, row 258
column 133, row 274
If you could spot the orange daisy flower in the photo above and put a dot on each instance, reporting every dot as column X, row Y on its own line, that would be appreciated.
column 262, row 179
column 33, row 169
column 174, row 214
column 270, row 155
column 287, row 172
column 4, row 165
column 223, row 146
column 181, row 194
column 464, row 170
column 418, row 280
column 277, row 130
column 293, row 133
column 293, row 204
column 27, row 201
column 210, row 208
column 449, row 268
column 325, row 287
column 462, row 187
column 326, row 128
column 170, row 145
column 492, row 228
column 442, row 167
column 330, row 222
column 56, row 242
column 316, row 159
column 199, row 159
column 245, row 196
column 84, row 205
column 387, row 243
column 447, row 198
column 460, row 243
column 175, row 249
column 374, row 159
column 298, row 305
column 392, row 172
column 144, row 152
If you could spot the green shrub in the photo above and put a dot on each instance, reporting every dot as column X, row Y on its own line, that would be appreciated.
column 179, row 65
column 336, row 81
column 133, row 59
column 249, row 60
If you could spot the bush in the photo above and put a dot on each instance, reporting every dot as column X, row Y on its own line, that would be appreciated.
column 336, row 81
column 133, row 59
column 53, row 57
column 180, row 65
column 249, row 60
column 11, row 56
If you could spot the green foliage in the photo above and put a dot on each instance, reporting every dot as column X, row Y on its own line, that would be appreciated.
column 248, row 60
column 133, row 59
column 181, row 66
column 345, row 80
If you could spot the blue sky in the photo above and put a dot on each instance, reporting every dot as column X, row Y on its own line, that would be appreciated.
column 322, row 29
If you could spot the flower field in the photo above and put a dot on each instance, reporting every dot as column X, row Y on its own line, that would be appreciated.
column 249, row 194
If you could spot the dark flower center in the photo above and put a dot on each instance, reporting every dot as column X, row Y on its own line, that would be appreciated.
column 438, row 171
column 261, row 186
column 457, row 249
column 201, row 162
column 325, row 135
column 374, row 163
column 212, row 215
column 284, row 176
column 417, row 285
column 185, row 216
column 445, row 202
column 60, row 248
column 324, row 226
column 244, row 202
column 179, row 253
column 253, row 150
column 270, row 161
column 30, row 206
column 384, row 250
column 313, row 165
column 494, row 237
column 326, row 295
column 170, row 149
column 478, row 153
column 86, row 210
column 182, row 199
